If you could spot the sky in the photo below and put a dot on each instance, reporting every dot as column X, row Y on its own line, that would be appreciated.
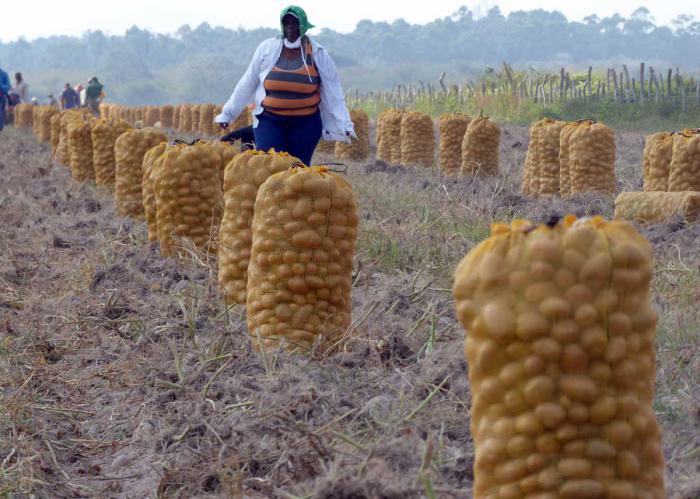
column 37, row 18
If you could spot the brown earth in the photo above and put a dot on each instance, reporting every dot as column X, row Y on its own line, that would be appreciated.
column 123, row 375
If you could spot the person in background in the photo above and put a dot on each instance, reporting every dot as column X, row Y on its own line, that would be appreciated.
column 21, row 88
column 80, row 90
column 69, row 97
column 52, row 100
column 93, row 96
column 35, row 101
column 296, row 90
column 4, row 91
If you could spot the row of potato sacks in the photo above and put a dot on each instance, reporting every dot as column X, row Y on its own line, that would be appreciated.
column 671, row 171
column 566, row 158
column 467, row 146
column 560, row 347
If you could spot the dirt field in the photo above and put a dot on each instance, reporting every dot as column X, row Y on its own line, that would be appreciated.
column 123, row 375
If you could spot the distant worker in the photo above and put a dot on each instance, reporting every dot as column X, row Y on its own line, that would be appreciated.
column 35, row 101
column 52, row 100
column 4, row 91
column 80, row 90
column 296, row 90
column 93, row 96
column 69, row 97
column 21, row 88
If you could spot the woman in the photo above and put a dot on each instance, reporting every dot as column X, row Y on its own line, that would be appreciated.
column 296, row 90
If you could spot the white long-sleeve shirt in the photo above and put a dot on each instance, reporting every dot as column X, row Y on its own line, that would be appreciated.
column 334, row 113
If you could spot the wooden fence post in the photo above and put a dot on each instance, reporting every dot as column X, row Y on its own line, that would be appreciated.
column 641, row 83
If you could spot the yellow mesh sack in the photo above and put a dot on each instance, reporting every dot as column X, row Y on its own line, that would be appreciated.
column 176, row 117
column 186, row 118
column 105, row 132
column 657, row 206
column 244, row 176
column 151, row 115
column 43, row 122
column 564, row 169
column 189, row 201
column 389, row 136
column 165, row 113
column 684, row 172
column 531, row 183
column 80, row 140
column 300, row 271
column 227, row 151
column 150, row 159
column 325, row 147
column 417, row 139
column 480, row 147
column 129, row 150
column 548, row 152
column 196, row 110
column 55, row 133
column 23, row 115
column 358, row 149
column 63, row 148
column 207, row 112
column 658, row 149
column 452, row 129
column 592, row 158
column 560, row 347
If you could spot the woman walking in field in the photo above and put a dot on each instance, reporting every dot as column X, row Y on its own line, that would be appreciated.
column 296, row 90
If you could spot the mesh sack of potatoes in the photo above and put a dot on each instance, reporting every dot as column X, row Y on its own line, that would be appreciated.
column 452, row 129
column 657, row 206
column 358, row 149
column 417, row 139
column 300, row 271
column 186, row 118
column 80, row 140
column 388, row 135
column 129, row 150
column 560, row 349
column 189, row 199
column 45, row 116
column 152, row 115
column 176, row 117
column 207, row 112
column 548, row 153
column 104, row 135
column 152, row 157
column 196, row 111
column 480, row 147
column 36, row 120
column 63, row 148
column 23, row 115
column 165, row 115
column 227, row 151
column 658, row 150
column 55, row 133
column 564, row 169
column 684, row 172
column 531, row 183
column 244, row 176
column 325, row 147
column 592, row 158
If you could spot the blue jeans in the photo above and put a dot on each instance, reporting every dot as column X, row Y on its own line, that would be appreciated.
column 2, row 111
column 297, row 135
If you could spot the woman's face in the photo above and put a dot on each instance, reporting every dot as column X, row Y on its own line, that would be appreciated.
column 291, row 27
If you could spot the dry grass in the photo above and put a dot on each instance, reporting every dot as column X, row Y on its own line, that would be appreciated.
column 123, row 375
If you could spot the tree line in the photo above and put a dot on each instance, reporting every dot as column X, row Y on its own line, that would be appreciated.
column 203, row 64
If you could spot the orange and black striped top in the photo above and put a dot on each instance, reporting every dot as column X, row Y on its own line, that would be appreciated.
column 291, row 91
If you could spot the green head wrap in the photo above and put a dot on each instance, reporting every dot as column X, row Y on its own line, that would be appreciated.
column 298, row 12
